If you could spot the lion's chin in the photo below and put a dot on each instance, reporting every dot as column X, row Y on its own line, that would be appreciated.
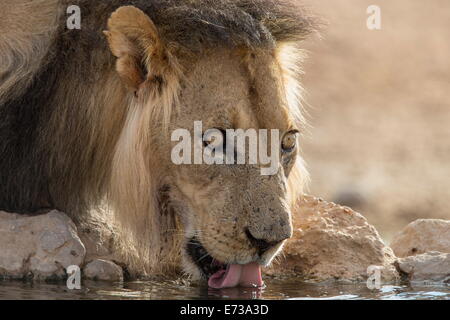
column 221, row 275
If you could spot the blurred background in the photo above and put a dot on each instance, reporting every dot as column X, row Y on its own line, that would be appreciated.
column 379, row 110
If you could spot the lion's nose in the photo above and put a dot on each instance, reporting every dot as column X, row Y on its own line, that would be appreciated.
column 261, row 245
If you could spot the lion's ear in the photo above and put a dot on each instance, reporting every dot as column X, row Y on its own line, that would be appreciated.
column 133, row 39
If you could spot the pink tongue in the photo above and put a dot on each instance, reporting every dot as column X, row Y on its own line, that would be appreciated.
column 247, row 275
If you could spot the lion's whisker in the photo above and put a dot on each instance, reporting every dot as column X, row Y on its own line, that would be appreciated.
column 204, row 256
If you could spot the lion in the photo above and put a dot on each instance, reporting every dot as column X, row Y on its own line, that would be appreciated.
column 86, row 117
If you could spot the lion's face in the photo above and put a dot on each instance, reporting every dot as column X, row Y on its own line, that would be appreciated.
column 232, row 214
column 235, row 218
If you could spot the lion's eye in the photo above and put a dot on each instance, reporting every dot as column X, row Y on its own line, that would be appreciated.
column 289, row 141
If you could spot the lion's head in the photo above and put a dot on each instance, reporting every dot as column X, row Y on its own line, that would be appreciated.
column 234, row 68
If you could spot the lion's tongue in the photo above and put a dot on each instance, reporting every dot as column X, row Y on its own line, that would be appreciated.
column 247, row 275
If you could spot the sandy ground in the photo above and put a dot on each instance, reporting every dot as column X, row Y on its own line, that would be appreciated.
column 379, row 110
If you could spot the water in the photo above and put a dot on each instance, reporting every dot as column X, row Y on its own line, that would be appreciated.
column 275, row 289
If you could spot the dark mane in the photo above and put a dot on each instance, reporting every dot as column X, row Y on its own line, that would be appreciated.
column 196, row 24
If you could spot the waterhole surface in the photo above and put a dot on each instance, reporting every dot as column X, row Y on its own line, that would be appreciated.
column 275, row 289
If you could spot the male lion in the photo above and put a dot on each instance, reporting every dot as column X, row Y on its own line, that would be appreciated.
column 86, row 117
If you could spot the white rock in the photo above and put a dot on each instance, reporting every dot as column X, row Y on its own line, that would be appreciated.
column 333, row 242
column 427, row 267
column 40, row 246
column 421, row 236
column 103, row 270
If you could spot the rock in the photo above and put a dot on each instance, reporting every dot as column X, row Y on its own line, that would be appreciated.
column 332, row 242
column 427, row 267
column 38, row 247
column 421, row 236
column 103, row 270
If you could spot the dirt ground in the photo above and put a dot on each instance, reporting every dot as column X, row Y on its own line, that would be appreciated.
column 379, row 110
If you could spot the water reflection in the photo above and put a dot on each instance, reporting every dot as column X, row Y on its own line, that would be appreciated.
column 237, row 293
column 275, row 289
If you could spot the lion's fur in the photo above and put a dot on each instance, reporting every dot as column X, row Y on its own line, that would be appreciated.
column 25, row 42
column 73, row 138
